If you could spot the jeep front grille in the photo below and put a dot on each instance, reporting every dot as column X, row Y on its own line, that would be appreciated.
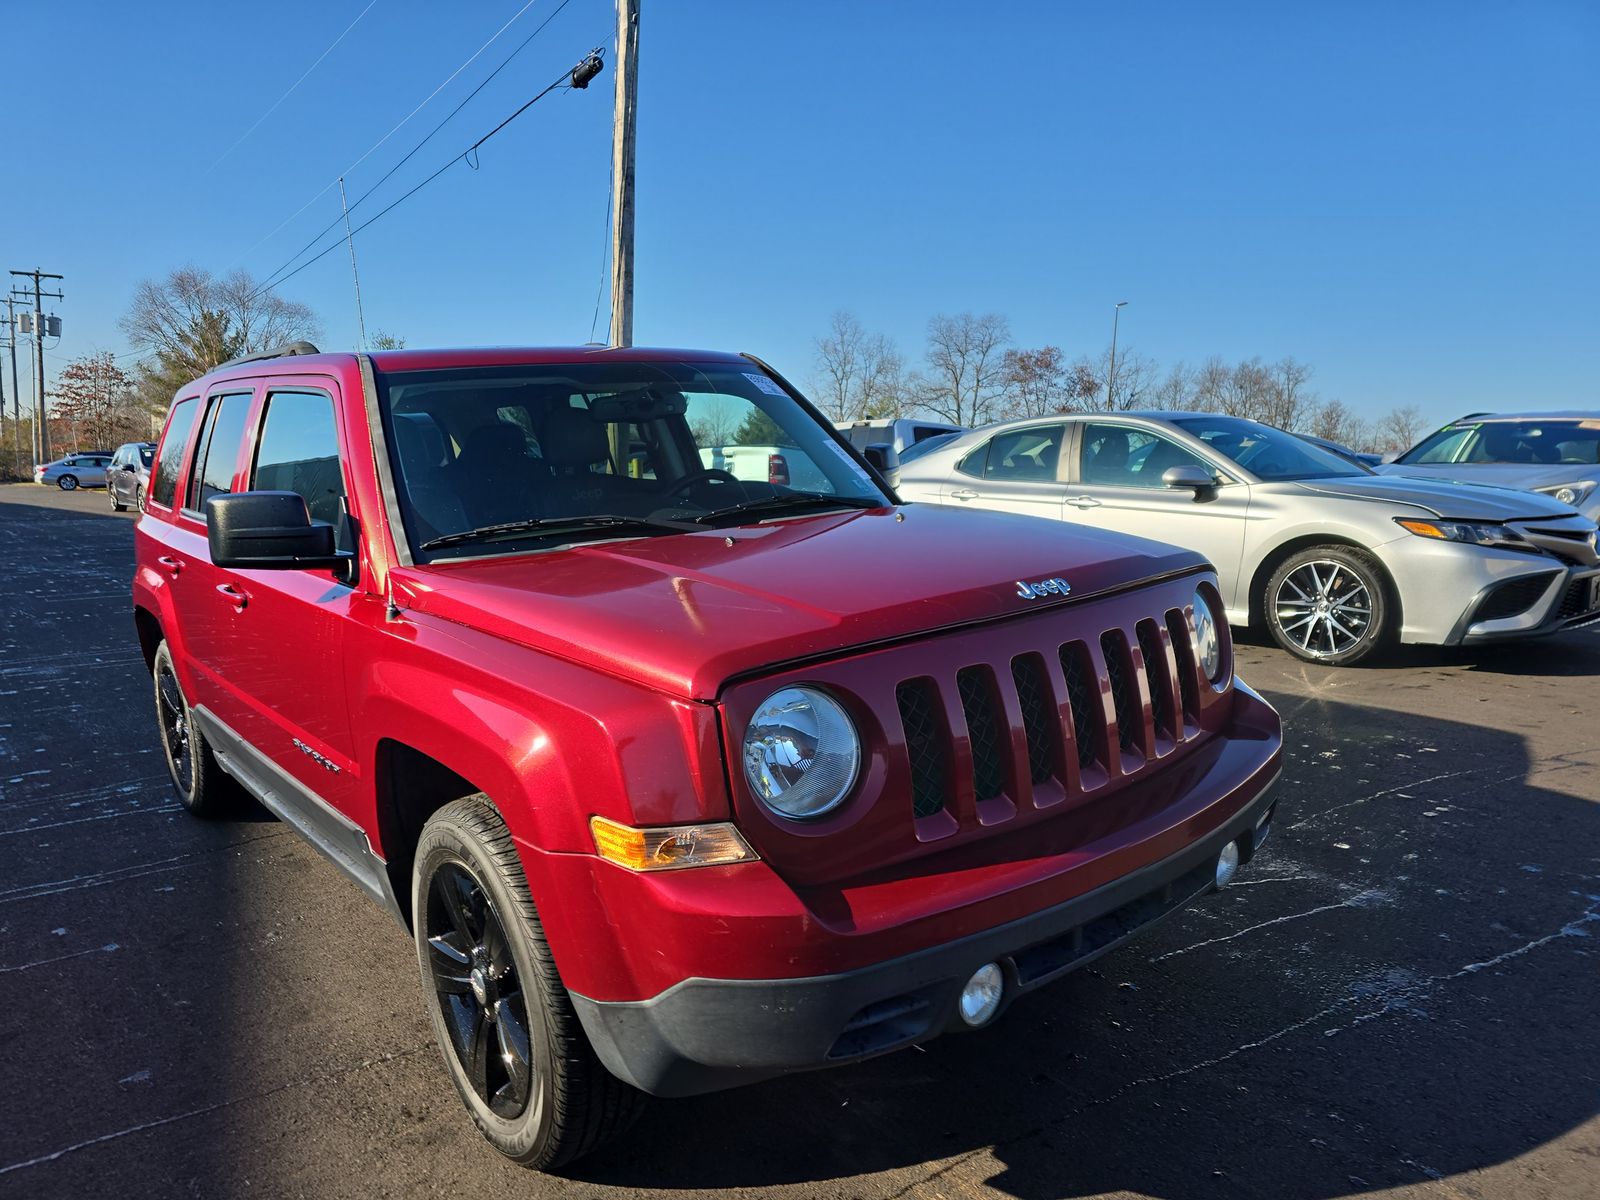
column 1118, row 704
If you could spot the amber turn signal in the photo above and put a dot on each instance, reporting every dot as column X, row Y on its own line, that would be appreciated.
column 671, row 848
column 1425, row 529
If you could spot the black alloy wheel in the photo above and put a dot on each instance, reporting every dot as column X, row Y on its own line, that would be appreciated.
column 479, row 991
column 173, row 715
column 511, row 1041
column 202, row 786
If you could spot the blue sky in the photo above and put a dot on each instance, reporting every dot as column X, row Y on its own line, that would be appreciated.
column 1404, row 196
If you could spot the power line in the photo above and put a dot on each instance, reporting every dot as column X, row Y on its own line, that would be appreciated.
column 327, row 187
column 568, row 78
column 408, row 156
column 292, row 87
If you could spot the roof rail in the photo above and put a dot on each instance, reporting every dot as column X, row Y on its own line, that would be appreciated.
column 287, row 351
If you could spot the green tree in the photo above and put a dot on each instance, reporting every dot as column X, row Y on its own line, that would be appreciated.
column 387, row 341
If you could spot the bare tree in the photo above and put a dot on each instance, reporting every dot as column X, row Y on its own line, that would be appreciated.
column 966, row 375
column 838, row 366
column 93, row 397
column 882, row 390
column 192, row 321
column 1400, row 429
column 1286, row 401
column 1176, row 391
column 1337, row 423
column 1037, row 382
column 387, row 341
column 1135, row 383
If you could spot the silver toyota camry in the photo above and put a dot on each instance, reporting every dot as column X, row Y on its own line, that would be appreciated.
column 1335, row 560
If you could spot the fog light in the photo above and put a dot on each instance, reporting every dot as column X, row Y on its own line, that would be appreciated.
column 1227, row 864
column 980, row 999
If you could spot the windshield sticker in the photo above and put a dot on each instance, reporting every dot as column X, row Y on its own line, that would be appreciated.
column 763, row 383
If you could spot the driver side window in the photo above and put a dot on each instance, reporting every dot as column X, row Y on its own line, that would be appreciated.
column 1123, row 456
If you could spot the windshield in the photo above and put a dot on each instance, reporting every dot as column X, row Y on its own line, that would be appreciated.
column 530, row 457
column 1267, row 453
column 1534, row 443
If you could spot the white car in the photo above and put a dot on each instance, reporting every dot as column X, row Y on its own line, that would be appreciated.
column 1334, row 560
column 74, row 471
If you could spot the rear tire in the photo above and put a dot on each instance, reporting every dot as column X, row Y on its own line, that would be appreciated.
column 202, row 786
column 116, row 505
column 68, row 483
column 1329, row 604
column 535, row 1088
column 138, row 499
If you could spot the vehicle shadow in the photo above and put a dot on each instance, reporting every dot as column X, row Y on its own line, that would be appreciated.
column 1392, row 993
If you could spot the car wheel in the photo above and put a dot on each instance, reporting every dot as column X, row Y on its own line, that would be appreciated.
column 67, row 483
column 511, row 1041
column 138, row 499
column 202, row 786
column 1328, row 604
column 116, row 504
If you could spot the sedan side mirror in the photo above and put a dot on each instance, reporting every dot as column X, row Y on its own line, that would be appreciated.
column 1196, row 479
column 263, row 531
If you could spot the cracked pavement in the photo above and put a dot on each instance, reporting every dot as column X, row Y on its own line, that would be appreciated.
column 1397, row 998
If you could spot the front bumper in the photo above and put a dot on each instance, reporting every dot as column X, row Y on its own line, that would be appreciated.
column 703, row 1035
column 1570, row 600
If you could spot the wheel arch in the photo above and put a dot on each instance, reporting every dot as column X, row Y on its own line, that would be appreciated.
column 148, row 626
column 409, row 786
column 1286, row 550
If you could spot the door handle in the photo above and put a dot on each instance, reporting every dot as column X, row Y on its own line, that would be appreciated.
column 173, row 565
column 238, row 597
column 1083, row 502
column 963, row 494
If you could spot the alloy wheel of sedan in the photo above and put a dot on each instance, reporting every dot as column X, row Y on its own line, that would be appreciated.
column 1328, row 605
column 478, row 990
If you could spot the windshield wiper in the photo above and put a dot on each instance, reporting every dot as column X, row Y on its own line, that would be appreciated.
column 791, row 500
column 552, row 524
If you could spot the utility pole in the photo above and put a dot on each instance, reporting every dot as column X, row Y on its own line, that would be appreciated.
column 1111, row 371
column 625, row 118
column 16, row 392
column 361, row 319
column 41, row 438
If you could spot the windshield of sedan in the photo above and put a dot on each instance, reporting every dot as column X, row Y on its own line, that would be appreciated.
column 1267, row 453
column 501, row 459
column 1534, row 443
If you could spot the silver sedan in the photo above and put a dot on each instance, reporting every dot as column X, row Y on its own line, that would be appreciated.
column 1335, row 560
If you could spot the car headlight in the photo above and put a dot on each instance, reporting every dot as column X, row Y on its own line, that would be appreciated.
column 1569, row 493
column 1473, row 533
column 801, row 753
column 1208, row 642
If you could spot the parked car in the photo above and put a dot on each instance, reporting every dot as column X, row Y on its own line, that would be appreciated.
column 679, row 780
column 1359, row 457
column 129, row 475
column 900, row 432
column 1555, row 453
column 1332, row 558
column 82, row 469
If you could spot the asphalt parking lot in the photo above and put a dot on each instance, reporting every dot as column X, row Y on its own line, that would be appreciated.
column 1399, row 997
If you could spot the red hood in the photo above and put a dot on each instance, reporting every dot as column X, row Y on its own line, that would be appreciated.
column 684, row 613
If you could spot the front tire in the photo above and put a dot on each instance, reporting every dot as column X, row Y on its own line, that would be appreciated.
column 202, row 786
column 505, row 1025
column 68, row 483
column 1329, row 604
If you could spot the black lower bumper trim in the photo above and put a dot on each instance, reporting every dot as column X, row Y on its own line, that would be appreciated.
column 703, row 1035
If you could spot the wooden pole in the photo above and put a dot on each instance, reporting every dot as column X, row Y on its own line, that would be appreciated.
column 625, row 118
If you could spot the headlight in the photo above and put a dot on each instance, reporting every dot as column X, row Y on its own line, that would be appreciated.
column 1208, row 642
column 1474, row 533
column 801, row 753
column 1569, row 493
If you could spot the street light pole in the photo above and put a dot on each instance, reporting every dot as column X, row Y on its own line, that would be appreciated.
column 1111, row 371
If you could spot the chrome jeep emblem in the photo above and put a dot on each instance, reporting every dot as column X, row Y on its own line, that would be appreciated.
column 1055, row 586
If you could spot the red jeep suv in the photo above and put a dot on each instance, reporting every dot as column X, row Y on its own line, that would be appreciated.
column 680, row 779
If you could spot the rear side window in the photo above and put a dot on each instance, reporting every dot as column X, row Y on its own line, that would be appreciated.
column 219, row 448
column 164, row 485
column 299, row 452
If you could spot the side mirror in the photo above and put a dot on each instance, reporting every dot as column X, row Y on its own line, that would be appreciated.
column 263, row 531
column 883, row 456
column 1196, row 479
